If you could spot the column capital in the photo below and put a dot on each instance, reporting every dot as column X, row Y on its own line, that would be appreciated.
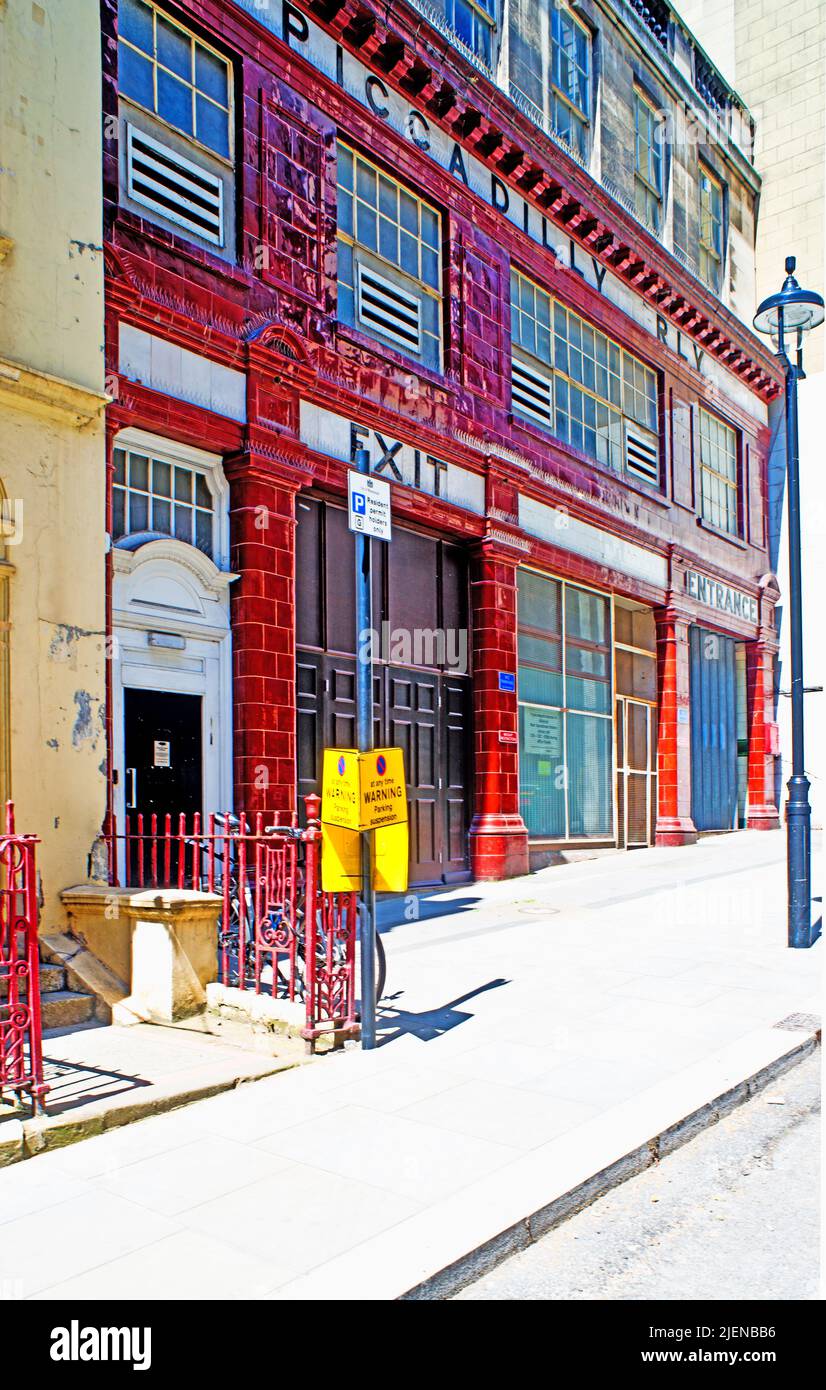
column 268, row 467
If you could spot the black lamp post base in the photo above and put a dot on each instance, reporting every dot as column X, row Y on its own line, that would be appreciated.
column 798, row 832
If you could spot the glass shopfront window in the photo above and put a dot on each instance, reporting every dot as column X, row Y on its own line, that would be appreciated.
column 565, row 709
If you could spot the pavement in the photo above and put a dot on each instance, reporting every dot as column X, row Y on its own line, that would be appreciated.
column 541, row 1041
column 732, row 1215
column 101, row 1077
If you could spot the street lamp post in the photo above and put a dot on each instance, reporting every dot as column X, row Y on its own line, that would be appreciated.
column 786, row 317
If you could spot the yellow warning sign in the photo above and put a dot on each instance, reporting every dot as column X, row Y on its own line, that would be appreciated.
column 340, row 788
column 382, row 788
column 391, row 858
column 340, row 860
column 363, row 791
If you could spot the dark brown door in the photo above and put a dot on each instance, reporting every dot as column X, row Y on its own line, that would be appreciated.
column 426, row 715
column 413, row 724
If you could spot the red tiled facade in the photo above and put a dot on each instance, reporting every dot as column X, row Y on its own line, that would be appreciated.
column 269, row 311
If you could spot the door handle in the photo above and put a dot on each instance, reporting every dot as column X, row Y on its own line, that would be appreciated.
column 132, row 794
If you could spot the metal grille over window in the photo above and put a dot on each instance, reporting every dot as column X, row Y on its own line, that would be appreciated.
column 550, row 64
column 565, row 706
column 166, row 70
column 389, row 259
column 584, row 387
column 165, row 499
column 718, row 473
column 162, row 179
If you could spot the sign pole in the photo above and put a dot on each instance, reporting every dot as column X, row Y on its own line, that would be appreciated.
column 364, row 717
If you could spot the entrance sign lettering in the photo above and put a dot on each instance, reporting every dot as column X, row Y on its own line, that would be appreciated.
column 721, row 597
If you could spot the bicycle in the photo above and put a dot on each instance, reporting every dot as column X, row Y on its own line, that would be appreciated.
column 276, row 926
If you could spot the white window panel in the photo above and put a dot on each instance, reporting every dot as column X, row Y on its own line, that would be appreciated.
column 160, row 178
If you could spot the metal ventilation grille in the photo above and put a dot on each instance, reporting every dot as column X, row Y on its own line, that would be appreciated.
column 532, row 392
column 161, row 179
column 642, row 452
column 389, row 310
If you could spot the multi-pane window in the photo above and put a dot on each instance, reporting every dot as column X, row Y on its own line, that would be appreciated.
column 711, row 229
column 648, row 178
column 550, row 64
column 580, row 384
column 165, row 69
column 152, row 494
column 565, row 702
column 570, row 76
column 389, row 259
column 718, row 473
column 473, row 21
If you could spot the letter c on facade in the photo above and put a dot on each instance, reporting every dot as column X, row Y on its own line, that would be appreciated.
column 375, row 83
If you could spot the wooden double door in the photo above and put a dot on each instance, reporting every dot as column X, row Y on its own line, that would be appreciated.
column 428, row 715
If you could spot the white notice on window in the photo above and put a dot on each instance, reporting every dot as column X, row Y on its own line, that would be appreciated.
column 161, row 756
column 543, row 732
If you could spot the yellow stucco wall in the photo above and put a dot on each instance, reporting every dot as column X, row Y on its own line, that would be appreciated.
column 52, row 452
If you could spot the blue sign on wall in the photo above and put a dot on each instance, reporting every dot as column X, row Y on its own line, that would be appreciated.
column 507, row 680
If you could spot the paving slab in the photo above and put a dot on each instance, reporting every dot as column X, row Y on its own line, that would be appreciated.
column 105, row 1076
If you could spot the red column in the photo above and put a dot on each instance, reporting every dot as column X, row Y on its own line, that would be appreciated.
column 262, row 540
column 498, row 837
column 762, row 812
column 674, row 824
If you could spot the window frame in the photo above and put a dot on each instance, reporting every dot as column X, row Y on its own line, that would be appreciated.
column 483, row 13
column 197, row 461
column 709, row 470
column 394, row 272
column 228, row 160
column 653, row 188
column 710, row 255
column 624, row 383
column 580, row 115
column 565, row 709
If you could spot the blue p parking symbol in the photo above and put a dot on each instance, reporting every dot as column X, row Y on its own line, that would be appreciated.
column 359, row 501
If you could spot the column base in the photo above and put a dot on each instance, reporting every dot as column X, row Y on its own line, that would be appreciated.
column 498, row 847
column 763, row 818
column 674, row 830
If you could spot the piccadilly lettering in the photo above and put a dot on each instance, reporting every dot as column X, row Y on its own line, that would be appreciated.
column 721, row 597
column 330, row 58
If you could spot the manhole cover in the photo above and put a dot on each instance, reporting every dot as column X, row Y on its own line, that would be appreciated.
column 799, row 1023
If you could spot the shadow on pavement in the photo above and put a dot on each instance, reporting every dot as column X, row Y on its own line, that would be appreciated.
column 392, row 1024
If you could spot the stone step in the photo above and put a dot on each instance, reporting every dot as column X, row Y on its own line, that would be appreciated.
column 52, row 978
column 66, row 1008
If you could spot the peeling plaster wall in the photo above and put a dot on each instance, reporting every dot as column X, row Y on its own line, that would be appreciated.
column 52, row 444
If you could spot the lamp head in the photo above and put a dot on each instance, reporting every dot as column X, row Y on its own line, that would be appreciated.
column 793, row 310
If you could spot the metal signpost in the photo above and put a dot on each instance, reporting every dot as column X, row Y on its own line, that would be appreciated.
column 368, row 514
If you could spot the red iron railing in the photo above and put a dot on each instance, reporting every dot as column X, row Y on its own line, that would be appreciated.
column 21, row 1032
column 266, row 875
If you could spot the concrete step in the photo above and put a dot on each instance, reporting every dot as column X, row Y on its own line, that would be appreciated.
column 66, row 1008
column 52, row 978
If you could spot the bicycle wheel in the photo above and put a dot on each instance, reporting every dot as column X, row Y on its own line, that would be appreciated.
column 381, row 967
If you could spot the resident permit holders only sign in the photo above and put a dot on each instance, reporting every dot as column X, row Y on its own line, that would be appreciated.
column 363, row 791
column 368, row 511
